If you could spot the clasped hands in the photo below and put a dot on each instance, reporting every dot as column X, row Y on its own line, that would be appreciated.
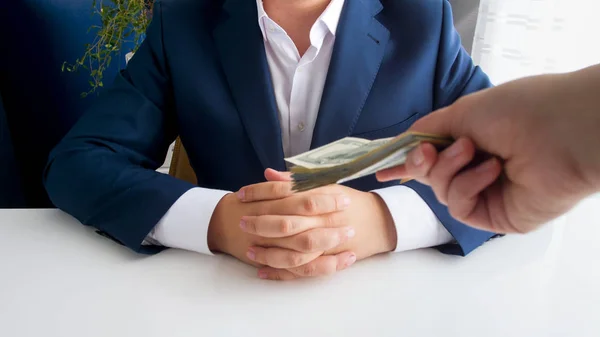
column 289, row 235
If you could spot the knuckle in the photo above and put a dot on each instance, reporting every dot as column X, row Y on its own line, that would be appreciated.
column 309, row 242
column 275, row 189
column 418, row 171
column 249, row 193
column 286, row 226
column 310, row 205
column 251, row 225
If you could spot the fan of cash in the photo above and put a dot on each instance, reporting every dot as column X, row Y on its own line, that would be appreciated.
column 351, row 158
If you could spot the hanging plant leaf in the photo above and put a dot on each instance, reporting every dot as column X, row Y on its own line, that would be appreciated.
column 123, row 22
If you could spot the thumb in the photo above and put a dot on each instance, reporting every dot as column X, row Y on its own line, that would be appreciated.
column 273, row 175
column 440, row 122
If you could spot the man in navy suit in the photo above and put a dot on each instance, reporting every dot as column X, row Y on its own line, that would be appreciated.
column 246, row 84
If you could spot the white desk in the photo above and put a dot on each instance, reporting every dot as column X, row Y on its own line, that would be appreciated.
column 59, row 278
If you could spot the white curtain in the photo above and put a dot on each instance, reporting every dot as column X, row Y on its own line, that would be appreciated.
column 516, row 38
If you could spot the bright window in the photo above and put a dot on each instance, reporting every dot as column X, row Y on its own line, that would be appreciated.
column 516, row 38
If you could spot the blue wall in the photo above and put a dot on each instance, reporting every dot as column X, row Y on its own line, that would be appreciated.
column 41, row 102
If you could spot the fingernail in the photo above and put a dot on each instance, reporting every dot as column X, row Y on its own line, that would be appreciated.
column 350, row 233
column 241, row 194
column 262, row 274
column 351, row 260
column 251, row 254
column 243, row 224
column 454, row 150
column 488, row 165
column 417, row 156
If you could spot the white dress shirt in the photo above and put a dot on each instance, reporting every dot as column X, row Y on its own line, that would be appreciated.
column 298, row 83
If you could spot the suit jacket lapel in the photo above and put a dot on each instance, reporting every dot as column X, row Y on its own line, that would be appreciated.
column 358, row 52
column 241, row 49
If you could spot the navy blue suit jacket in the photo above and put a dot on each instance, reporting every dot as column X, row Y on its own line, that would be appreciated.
column 202, row 74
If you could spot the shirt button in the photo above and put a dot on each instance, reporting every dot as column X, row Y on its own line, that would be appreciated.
column 271, row 29
column 301, row 127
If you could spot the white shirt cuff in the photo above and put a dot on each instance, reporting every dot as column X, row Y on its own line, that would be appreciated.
column 416, row 224
column 185, row 225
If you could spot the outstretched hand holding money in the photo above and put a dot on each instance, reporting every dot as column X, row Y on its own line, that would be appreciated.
column 545, row 132
column 351, row 158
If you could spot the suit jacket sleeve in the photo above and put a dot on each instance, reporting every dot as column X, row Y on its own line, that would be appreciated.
column 456, row 76
column 103, row 171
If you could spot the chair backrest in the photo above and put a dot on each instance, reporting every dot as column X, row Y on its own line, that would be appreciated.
column 180, row 164
column 41, row 101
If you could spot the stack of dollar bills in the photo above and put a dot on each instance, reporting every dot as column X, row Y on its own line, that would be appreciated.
column 351, row 158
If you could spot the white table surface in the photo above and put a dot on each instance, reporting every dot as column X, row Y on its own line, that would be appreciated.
column 59, row 278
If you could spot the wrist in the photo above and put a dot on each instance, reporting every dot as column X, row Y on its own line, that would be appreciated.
column 585, row 138
column 217, row 237
column 388, row 238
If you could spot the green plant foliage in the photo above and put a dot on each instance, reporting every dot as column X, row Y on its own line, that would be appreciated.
column 122, row 21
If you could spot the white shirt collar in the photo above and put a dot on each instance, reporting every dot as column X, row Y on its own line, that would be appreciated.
column 330, row 16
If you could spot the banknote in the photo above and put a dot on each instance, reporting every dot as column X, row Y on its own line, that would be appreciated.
column 339, row 152
column 351, row 158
